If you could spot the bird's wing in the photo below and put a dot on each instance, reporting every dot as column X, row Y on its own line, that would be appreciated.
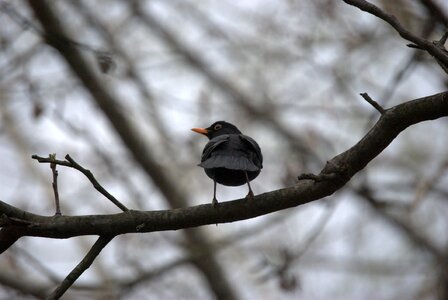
column 212, row 145
column 258, row 159
column 224, row 151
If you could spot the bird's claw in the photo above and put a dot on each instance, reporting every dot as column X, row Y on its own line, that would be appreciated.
column 214, row 202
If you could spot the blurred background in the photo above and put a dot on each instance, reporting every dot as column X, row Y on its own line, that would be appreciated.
column 287, row 73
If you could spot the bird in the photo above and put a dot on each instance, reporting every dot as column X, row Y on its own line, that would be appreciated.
column 230, row 158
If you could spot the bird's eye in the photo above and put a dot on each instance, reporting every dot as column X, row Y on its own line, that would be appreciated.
column 217, row 127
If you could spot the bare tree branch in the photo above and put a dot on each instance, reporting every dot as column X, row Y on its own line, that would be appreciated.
column 70, row 162
column 344, row 165
column 372, row 102
column 55, row 185
column 85, row 263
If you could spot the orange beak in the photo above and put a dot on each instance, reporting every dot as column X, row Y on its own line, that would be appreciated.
column 200, row 130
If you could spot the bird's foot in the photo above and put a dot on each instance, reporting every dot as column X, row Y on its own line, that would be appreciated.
column 214, row 202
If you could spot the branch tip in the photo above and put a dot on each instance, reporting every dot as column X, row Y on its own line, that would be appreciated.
column 372, row 102
column 415, row 46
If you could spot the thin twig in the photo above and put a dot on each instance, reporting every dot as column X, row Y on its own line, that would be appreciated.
column 372, row 102
column 85, row 263
column 70, row 162
column 55, row 185
column 95, row 183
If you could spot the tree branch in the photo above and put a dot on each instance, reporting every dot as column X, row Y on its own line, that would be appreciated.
column 372, row 102
column 345, row 165
column 55, row 185
column 85, row 263
column 71, row 163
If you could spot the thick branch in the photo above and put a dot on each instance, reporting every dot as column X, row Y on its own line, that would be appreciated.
column 344, row 165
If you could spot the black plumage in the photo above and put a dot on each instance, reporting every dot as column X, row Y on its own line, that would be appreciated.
column 230, row 157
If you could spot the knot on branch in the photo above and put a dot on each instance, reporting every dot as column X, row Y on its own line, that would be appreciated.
column 332, row 172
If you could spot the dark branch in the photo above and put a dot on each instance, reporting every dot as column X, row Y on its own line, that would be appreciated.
column 345, row 165
column 70, row 162
column 372, row 102
column 95, row 183
column 85, row 263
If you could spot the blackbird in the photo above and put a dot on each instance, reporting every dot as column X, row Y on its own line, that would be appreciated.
column 230, row 157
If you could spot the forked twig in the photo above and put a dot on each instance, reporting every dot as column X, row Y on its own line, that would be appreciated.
column 71, row 163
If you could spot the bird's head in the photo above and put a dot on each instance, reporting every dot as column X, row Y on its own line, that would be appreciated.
column 218, row 128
